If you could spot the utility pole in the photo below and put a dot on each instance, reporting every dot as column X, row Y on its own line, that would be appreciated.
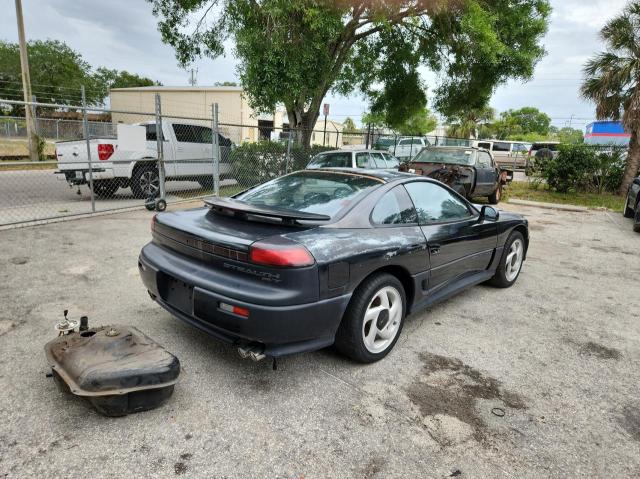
column 26, row 85
column 192, row 76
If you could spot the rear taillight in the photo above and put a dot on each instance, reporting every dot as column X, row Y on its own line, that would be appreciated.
column 280, row 255
column 105, row 150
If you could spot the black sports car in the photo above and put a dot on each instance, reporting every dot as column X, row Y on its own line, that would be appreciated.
column 632, row 204
column 319, row 257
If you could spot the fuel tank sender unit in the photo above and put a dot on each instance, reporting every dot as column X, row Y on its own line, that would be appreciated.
column 117, row 368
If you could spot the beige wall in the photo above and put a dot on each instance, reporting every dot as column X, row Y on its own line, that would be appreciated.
column 193, row 103
column 331, row 136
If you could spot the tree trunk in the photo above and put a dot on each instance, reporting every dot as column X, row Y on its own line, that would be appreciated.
column 302, row 123
column 633, row 164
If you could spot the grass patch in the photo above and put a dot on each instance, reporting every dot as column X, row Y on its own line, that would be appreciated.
column 48, row 165
column 14, row 148
column 524, row 191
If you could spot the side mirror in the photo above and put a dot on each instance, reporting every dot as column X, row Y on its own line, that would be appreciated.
column 489, row 213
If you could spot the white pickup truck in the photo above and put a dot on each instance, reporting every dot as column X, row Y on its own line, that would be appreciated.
column 130, row 160
column 406, row 148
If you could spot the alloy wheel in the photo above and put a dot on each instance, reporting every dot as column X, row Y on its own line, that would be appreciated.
column 382, row 319
column 513, row 262
column 149, row 183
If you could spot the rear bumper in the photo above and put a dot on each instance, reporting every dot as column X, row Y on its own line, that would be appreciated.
column 283, row 330
column 80, row 176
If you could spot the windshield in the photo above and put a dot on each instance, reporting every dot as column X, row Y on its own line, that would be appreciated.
column 320, row 192
column 445, row 155
column 337, row 159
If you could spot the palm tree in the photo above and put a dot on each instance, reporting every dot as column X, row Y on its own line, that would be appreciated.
column 612, row 81
column 467, row 123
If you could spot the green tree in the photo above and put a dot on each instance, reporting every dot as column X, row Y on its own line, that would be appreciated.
column 469, row 123
column 523, row 121
column 293, row 53
column 348, row 126
column 612, row 81
column 418, row 124
column 57, row 73
column 567, row 135
column 376, row 120
column 108, row 79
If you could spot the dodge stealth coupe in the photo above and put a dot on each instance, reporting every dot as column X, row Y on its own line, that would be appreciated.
column 322, row 257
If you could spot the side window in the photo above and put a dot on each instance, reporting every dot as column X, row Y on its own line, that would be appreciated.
column 362, row 160
column 518, row 147
column 435, row 204
column 151, row 132
column 378, row 160
column 501, row 146
column 485, row 145
column 392, row 161
column 202, row 134
column 406, row 141
column 184, row 133
column 417, row 141
column 484, row 160
column 394, row 208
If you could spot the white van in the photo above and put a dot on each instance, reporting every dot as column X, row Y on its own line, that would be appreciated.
column 506, row 153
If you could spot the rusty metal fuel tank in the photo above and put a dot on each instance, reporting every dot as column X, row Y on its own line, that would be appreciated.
column 117, row 368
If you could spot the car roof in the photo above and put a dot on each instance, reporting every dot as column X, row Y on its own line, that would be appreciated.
column 384, row 175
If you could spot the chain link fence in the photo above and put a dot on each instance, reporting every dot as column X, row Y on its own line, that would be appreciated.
column 96, row 160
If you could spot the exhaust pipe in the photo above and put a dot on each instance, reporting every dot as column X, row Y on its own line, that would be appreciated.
column 257, row 355
column 253, row 351
column 244, row 351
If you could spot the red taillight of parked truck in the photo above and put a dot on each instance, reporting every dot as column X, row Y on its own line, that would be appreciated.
column 105, row 150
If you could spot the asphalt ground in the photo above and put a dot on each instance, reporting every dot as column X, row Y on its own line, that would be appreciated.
column 539, row 380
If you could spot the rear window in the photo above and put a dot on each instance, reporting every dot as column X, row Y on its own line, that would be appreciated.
column 324, row 193
column 331, row 160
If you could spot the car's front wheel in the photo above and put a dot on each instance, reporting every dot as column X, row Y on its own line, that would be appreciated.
column 510, row 262
column 373, row 320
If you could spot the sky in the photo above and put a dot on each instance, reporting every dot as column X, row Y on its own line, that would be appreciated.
column 123, row 34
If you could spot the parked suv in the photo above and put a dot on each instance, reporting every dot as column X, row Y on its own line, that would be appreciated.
column 370, row 159
column 506, row 153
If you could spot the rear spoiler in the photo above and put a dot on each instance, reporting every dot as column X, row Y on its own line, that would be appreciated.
column 235, row 206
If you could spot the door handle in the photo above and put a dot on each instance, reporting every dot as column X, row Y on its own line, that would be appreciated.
column 434, row 248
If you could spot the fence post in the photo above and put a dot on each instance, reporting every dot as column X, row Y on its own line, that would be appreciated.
column 216, row 149
column 286, row 167
column 160, row 147
column 85, row 129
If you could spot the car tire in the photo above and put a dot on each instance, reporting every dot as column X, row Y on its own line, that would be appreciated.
column 105, row 188
column 494, row 198
column 510, row 266
column 368, row 309
column 145, row 182
column 627, row 211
